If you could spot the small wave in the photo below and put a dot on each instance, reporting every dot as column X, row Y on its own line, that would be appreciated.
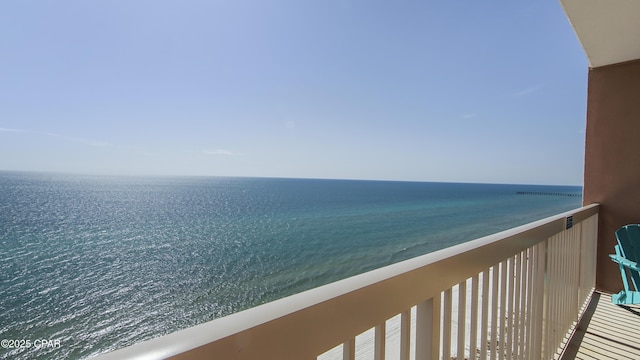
column 48, row 290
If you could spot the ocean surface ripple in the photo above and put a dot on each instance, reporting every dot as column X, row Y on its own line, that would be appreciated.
column 100, row 263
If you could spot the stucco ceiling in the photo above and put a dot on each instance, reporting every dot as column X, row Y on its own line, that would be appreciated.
column 609, row 30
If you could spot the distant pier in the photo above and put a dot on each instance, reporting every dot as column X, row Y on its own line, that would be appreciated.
column 548, row 193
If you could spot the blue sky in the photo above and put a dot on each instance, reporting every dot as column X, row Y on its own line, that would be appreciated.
column 463, row 91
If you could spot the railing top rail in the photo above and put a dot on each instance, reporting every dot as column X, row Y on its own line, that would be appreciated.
column 304, row 325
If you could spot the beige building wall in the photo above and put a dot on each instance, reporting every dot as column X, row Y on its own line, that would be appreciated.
column 612, row 158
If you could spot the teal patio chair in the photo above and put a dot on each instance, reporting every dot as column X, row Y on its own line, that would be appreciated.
column 627, row 256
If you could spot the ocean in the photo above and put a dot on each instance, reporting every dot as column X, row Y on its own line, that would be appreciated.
column 96, row 263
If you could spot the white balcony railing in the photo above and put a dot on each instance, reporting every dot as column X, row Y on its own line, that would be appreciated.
column 514, row 294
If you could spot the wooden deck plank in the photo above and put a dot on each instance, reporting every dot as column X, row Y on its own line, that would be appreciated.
column 607, row 331
column 612, row 323
column 605, row 347
column 613, row 334
column 586, row 357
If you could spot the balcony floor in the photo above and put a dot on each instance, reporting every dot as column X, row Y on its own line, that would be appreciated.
column 606, row 331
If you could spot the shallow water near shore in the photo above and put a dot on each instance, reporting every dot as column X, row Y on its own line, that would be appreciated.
column 100, row 263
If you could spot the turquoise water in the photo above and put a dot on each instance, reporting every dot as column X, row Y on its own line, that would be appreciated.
column 99, row 263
